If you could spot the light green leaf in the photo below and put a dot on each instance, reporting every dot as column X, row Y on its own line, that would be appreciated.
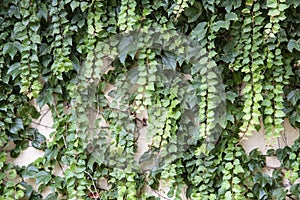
column 231, row 16
column 272, row 3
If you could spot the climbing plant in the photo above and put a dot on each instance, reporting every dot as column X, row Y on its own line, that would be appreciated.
column 225, row 69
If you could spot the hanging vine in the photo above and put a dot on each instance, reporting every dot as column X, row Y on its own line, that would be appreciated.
column 205, row 75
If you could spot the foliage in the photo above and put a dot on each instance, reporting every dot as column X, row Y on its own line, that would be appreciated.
column 253, row 46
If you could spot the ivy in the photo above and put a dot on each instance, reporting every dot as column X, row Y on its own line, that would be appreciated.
column 204, row 74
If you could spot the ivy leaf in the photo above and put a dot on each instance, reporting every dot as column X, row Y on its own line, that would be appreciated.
column 293, row 44
column 17, row 126
column 30, row 172
column 43, row 177
column 295, row 117
column 45, row 97
column 12, row 48
column 262, row 194
column 295, row 190
column 51, row 154
column 199, row 32
column 193, row 13
column 39, row 141
column 146, row 156
column 169, row 60
column 142, row 80
column 295, row 3
column 274, row 12
column 14, row 70
column 230, row 95
column 231, row 17
column 294, row 96
column 27, row 188
column 228, row 195
column 74, row 5
column 43, row 11
column 219, row 24
column 272, row 3
column 126, row 45
column 229, row 4
column 12, row 174
column 96, row 157
column 52, row 196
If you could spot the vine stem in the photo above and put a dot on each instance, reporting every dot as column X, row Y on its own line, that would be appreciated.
column 161, row 195
column 95, row 188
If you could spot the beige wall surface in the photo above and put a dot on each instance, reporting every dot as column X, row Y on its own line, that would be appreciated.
column 257, row 140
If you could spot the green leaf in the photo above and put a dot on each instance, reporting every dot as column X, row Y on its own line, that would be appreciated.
column 126, row 45
column 43, row 177
column 52, row 196
column 30, row 172
column 12, row 48
column 295, row 190
column 294, row 96
column 279, row 114
column 96, row 157
column 295, row 3
column 43, row 12
column 142, row 80
column 218, row 25
column 230, row 95
column 146, row 156
column 45, row 97
column 269, row 111
column 229, row 4
column 274, row 12
column 293, row 44
column 228, row 195
column 12, row 174
column 238, row 169
column 39, row 141
column 199, row 32
column 74, row 5
column 16, row 126
column 203, row 61
column 14, row 70
column 51, row 154
column 231, row 17
column 169, row 60
column 272, row 3
column 228, row 166
column 193, row 13
column 225, row 185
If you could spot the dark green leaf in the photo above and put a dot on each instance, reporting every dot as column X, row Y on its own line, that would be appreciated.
column 52, row 196
column 14, row 70
column 16, row 126
column 146, row 156
column 43, row 177
column 45, row 98
column 12, row 48
column 229, row 4
column 293, row 44
column 294, row 96
column 30, row 172
column 39, row 141
column 169, row 60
